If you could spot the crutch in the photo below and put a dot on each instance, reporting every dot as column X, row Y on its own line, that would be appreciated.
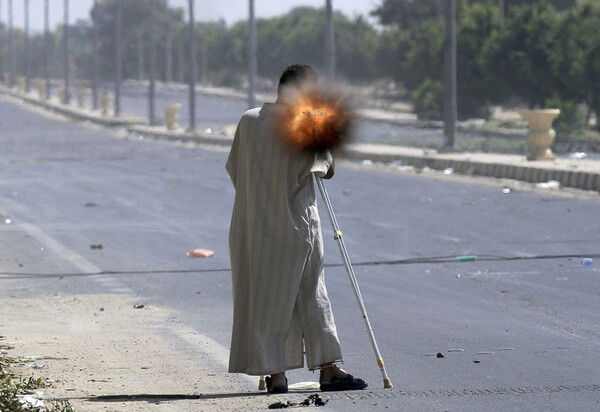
column 337, row 234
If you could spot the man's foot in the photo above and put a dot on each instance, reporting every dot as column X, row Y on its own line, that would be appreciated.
column 277, row 383
column 335, row 379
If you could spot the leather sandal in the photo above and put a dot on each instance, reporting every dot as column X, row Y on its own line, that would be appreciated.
column 275, row 389
column 344, row 383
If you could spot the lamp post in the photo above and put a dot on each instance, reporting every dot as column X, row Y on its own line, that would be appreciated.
column 46, row 49
column 251, row 56
column 152, row 39
column 66, row 50
column 118, row 56
column 450, row 77
column 96, row 62
column 192, row 74
column 329, row 41
column 26, row 46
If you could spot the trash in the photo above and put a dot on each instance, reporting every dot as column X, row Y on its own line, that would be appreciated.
column 346, row 192
column 587, row 262
column 367, row 162
column 578, row 155
column 506, row 348
column 468, row 258
column 99, row 246
column 139, row 306
column 552, row 184
column 208, row 130
column 35, row 366
column 90, row 204
column 8, row 221
column 31, row 403
column 506, row 190
column 476, row 361
column 456, row 350
column 439, row 356
column 486, row 353
column 281, row 405
column 449, row 171
column 200, row 253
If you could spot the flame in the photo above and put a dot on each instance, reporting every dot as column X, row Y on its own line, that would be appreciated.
column 315, row 122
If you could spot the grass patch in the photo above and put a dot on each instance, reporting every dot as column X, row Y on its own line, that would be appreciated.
column 13, row 386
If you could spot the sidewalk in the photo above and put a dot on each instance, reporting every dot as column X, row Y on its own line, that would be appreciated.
column 581, row 174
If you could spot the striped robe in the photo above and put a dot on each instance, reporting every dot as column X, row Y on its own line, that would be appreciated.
column 280, row 303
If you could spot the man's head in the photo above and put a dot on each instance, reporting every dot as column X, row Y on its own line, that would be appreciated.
column 295, row 78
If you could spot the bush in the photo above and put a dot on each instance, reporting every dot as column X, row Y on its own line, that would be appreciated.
column 427, row 100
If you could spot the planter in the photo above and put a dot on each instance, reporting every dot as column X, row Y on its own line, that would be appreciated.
column 541, row 135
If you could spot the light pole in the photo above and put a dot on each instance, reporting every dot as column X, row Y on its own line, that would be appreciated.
column 46, row 46
column 329, row 41
column 11, row 57
column 192, row 79
column 450, row 77
column 26, row 46
column 66, row 50
column 152, row 62
column 118, row 56
column 95, row 70
column 251, row 56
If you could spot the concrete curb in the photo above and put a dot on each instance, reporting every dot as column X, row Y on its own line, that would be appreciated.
column 581, row 174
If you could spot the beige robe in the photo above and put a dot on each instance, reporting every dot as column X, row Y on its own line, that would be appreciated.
column 280, row 302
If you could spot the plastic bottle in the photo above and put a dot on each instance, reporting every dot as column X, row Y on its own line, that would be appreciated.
column 587, row 262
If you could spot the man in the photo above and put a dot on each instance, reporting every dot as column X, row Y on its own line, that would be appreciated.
column 281, row 308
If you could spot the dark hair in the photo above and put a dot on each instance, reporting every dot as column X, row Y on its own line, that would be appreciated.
column 296, row 75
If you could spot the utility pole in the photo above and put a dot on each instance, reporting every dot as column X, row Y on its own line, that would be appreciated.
column 11, row 57
column 118, row 56
column 449, row 109
column 193, row 63
column 251, row 56
column 66, row 50
column 168, row 49
column 26, row 46
column 46, row 47
column 329, row 41
column 96, row 62
column 151, row 106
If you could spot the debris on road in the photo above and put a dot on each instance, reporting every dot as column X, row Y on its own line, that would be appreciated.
column 99, row 246
column 200, row 253
column 139, row 306
column 311, row 400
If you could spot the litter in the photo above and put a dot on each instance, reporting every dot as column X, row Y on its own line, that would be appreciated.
column 506, row 190
column 35, row 366
column 367, row 162
column 587, row 262
column 552, row 184
column 139, row 306
column 449, row 171
column 578, row 155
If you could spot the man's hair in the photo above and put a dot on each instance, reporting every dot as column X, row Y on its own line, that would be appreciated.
column 296, row 75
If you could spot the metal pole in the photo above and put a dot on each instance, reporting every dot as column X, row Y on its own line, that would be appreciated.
column 118, row 57
column 46, row 47
column 450, row 77
column 66, row 50
column 251, row 56
column 192, row 74
column 151, row 119
column 329, row 41
column 96, row 69
column 337, row 233
column 168, row 50
column 26, row 46
column 11, row 57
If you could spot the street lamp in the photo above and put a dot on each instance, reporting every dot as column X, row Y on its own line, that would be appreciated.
column 152, row 62
column 118, row 56
column 66, row 50
column 251, row 56
column 329, row 41
column 26, row 47
column 192, row 79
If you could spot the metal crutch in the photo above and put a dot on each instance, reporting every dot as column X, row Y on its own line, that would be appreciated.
column 337, row 234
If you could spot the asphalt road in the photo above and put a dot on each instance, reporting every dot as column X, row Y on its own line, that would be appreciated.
column 516, row 334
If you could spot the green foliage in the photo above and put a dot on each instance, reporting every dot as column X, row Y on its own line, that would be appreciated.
column 427, row 100
column 520, row 55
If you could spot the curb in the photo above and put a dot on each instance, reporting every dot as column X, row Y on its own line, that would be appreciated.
column 498, row 166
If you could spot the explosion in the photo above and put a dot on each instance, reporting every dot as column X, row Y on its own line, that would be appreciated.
column 315, row 121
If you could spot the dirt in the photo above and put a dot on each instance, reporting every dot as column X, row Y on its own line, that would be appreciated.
column 101, row 354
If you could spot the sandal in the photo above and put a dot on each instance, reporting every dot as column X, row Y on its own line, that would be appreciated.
column 343, row 383
column 275, row 389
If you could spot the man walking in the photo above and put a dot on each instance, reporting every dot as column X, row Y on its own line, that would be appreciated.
column 282, row 312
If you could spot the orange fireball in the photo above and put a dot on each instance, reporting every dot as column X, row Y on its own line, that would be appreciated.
column 315, row 122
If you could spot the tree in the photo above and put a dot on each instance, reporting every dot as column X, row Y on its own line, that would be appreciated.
column 519, row 56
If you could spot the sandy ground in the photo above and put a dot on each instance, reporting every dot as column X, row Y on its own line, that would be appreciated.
column 99, row 345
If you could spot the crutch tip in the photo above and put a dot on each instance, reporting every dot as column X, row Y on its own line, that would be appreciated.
column 262, row 385
column 387, row 383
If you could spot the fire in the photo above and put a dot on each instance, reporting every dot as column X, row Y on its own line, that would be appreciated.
column 315, row 122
